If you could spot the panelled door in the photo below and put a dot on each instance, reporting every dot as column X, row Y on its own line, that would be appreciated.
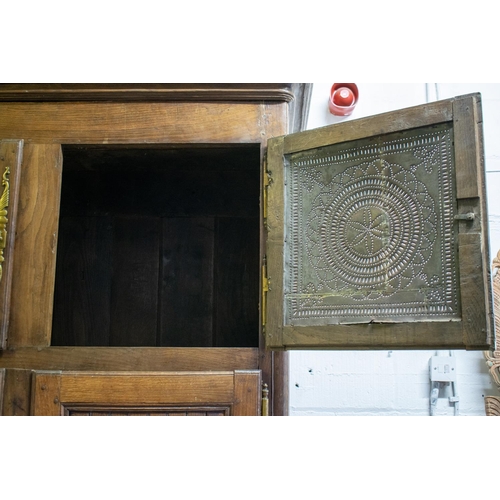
column 377, row 233
column 69, row 393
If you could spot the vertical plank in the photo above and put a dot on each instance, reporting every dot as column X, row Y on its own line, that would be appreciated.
column 134, row 288
column 468, row 145
column 473, row 251
column 473, row 291
column 36, row 241
column 17, row 393
column 83, row 282
column 11, row 153
column 275, row 245
column 186, row 294
column 274, row 364
column 280, row 399
column 247, row 393
column 236, row 282
column 46, row 394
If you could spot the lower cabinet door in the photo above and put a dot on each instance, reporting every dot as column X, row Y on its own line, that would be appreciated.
column 146, row 393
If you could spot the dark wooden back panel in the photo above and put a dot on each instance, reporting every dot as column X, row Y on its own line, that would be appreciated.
column 158, row 247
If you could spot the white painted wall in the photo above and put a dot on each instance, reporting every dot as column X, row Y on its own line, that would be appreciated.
column 397, row 382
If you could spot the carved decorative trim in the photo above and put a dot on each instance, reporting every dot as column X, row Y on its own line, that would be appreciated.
column 4, row 203
column 281, row 92
column 492, row 403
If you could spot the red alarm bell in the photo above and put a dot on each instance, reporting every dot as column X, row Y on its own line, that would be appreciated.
column 343, row 98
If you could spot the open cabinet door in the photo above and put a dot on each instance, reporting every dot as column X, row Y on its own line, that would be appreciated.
column 10, row 170
column 377, row 233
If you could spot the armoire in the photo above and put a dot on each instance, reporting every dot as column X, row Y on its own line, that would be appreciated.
column 162, row 245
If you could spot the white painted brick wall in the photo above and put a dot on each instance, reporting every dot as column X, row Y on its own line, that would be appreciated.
column 397, row 382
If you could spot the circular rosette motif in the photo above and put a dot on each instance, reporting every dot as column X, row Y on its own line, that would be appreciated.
column 371, row 230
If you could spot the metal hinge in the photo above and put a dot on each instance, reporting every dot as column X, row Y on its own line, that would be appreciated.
column 265, row 400
column 265, row 288
column 266, row 181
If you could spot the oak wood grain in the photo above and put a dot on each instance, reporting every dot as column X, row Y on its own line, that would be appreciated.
column 436, row 335
column 466, row 118
column 247, row 393
column 274, row 364
column 46, row 394
column 36, row 244
column 130, row 358
column 133, row 388
column 17, row 393
column 123, row 393
column 132, row 123
column 384, row 123
column 474, row 292
column 275, row 244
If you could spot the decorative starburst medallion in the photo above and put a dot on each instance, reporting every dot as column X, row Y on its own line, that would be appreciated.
column 367, row 226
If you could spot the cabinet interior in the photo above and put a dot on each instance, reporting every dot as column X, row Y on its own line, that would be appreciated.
column 158, row 247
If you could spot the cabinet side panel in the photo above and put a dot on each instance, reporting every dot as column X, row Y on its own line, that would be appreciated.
column 36, row 243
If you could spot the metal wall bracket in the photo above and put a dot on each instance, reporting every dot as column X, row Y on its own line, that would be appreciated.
column 443, row 374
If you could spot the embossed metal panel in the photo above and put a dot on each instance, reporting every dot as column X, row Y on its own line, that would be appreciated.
column 369, row 230
column 377, row 233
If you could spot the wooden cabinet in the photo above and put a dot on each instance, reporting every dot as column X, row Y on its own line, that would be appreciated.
column 140, row 239
column 173, row 236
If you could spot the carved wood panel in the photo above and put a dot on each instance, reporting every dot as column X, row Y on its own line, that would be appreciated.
column 187, row 411
column 492, row 403
column 492, row 406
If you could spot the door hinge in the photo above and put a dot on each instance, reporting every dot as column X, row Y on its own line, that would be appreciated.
column 266, row 181
column 265, row 401
column 266, row 282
